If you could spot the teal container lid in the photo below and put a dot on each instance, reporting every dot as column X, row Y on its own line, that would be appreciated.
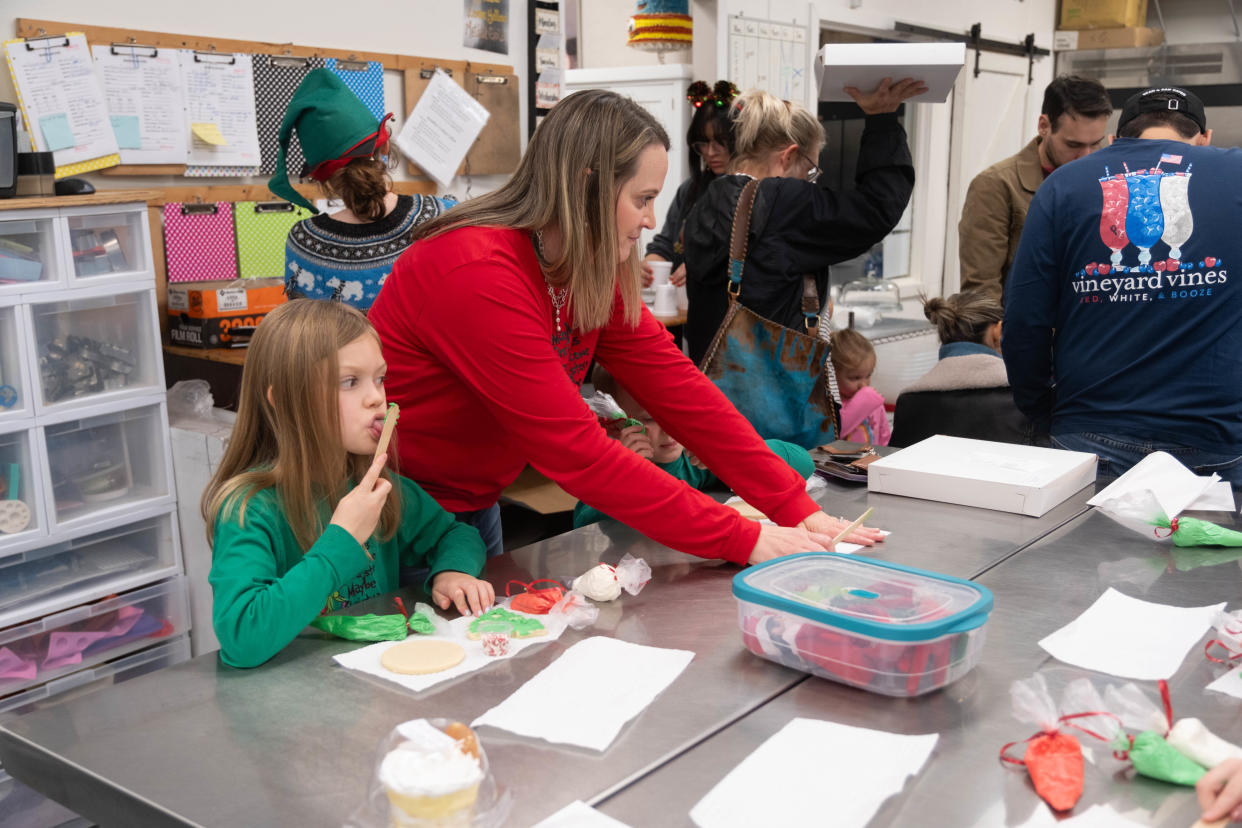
column 875, row 598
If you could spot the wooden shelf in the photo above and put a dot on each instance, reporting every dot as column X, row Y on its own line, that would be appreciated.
column 231, row 356
column 98, row 197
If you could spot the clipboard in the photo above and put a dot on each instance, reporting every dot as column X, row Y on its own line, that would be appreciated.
column 365, row 78
column 276, row 78
column 498, row 148
column 200, row 242
column 262, row 232
column 416, row 79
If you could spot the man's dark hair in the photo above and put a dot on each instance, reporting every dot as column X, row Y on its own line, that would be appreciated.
column 1079, row 96
column 1181, row 124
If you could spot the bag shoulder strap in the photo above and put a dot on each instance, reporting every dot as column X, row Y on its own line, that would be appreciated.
column 737, row 258
column 738, row 238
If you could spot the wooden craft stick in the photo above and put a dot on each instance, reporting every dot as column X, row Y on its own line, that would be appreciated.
column 853, row 525
column 1216, row 823
column 390, row 421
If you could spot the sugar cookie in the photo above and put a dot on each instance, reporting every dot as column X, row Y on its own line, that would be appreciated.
column 422, row 656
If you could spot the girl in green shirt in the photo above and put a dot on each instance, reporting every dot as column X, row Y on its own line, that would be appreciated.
column 302, row 520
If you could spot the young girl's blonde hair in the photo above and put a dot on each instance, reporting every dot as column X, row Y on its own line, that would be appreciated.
column 288, row 433
column 763, row 124
column 850, row 349
column 572, row 170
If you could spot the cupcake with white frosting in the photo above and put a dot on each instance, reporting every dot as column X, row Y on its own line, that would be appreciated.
column 431, row 784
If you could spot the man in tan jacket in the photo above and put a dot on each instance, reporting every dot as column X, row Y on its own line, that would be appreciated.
column 1072, row 124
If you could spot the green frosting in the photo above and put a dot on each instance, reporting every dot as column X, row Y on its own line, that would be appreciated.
column 420, row 623
column 1155, row 758
column 521, row 625
column 363, row 627
column 1194, row 532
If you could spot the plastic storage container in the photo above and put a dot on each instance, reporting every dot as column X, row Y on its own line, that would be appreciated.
column 880, row 626
column 47, row 648
column 29, row 246
column 14, row 386
column 20, row 484
column 41, row 580
column 92, row 348
column 107, row 463
column 108, row 242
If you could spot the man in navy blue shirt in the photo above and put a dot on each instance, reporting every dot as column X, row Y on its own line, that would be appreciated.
column 1123, row 328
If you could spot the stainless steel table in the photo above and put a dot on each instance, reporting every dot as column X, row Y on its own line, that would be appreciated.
column 1037, row 591
column 293, row 741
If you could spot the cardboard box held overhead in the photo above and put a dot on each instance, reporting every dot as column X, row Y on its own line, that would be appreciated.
column 1102, row 14
column 1010, row 478
column 1067, row 40
column 864, row 65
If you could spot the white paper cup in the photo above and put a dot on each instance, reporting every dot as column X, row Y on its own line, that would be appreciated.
column 683, row 301
column 661, row 272
column 665, row 301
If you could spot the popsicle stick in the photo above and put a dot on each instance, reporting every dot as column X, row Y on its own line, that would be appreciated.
column 390, row 421
column 1216, row 823
column 853, row 525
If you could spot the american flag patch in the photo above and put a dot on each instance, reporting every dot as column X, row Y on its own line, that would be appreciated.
column 1170, row 159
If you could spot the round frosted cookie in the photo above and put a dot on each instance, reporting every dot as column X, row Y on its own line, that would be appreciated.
column 422, row 656
column 14, row 516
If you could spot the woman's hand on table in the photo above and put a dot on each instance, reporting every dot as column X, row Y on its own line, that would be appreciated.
column 823, row 524
column 1220, row 792
column 470, row 595
column 778, row 541
column 886, row 97
column 678, row 277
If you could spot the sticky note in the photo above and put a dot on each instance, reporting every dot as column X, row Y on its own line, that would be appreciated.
column 209, row 133
column 126, row 129
column 57, row 134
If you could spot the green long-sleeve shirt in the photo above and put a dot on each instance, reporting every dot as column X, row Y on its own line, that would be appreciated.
column 798, row 458
column 266, row 590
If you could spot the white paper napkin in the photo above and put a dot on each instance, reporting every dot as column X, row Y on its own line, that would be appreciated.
column 1217, row 497
column 814, row 772
column 1174, row 485
column 367, row 659
column 1130, row 638
column 580, row 815
column 1230, row 683
column 587, row 695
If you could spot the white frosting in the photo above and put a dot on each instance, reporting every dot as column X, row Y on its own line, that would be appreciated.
column 599, row 583
column 413, row 772
column 1190, row 737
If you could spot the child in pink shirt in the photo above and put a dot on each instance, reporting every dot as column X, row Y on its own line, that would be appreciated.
column 863, row 419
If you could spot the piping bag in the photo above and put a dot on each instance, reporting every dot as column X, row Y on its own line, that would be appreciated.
column 1138, row 510
column 1053, row 758
column 602, row 405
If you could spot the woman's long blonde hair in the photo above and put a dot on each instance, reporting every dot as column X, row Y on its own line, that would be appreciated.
column 763, row 124
column 573, row 168
column 288, row 433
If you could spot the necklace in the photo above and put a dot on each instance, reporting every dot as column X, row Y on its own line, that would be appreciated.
column 557, row 295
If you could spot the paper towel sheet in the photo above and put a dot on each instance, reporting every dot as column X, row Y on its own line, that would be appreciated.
column 1130, row 638
column 588, row 694
column 814, row 772
column 580, row 815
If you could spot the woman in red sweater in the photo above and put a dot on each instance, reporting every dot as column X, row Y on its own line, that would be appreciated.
column 489, row 323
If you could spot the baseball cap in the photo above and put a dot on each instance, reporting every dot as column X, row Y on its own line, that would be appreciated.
column 1164, row 99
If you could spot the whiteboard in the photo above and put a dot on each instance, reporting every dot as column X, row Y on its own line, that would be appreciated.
column 773, row 56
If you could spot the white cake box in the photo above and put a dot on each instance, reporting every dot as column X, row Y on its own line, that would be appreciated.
column 864, row 65
column 1028, row 480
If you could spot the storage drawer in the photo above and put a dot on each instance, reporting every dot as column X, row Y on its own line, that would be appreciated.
column 14, row 383
column 48, row 648
column 105, row 463
column 108, row 244
column 21, row 512
column 39, row 581
column 95, row 347
column 115, row 671
column 29, row 252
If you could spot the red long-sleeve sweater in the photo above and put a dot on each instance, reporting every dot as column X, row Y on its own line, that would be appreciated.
column 486, row 385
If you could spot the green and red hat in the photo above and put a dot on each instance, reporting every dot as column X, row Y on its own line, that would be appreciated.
column 334, row 127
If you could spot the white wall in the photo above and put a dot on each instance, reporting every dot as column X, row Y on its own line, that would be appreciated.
column 426, row 28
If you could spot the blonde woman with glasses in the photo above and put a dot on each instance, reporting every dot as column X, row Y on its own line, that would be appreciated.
column 491, row 319
column 797, row 227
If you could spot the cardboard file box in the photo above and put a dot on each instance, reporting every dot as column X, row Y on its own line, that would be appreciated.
column 864, row 65
column 1027, row 480
column 1102, row 14
column 205, row 314
column 1066, row 40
